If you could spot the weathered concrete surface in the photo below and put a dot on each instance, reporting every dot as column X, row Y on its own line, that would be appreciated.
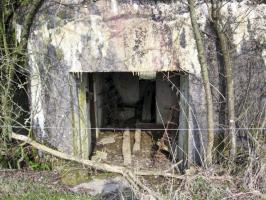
column 120, row 36
column 138, row 37
column 166, row 96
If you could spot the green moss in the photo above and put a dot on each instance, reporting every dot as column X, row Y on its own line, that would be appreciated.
column 83, row 121
column 71, row 173
column 81, row 144
column 75, row 176
column 105, row 175
column 65, row 15
column 62, row 14
column 58, row 31
column 59, row 53
column 73, row 123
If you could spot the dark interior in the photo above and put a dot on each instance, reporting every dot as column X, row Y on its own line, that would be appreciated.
column 126, row 100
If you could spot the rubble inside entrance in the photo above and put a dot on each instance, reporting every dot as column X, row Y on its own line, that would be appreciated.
column 141, row 106
column 108, row 149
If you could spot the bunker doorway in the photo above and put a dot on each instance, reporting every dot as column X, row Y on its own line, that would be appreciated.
column 117, row 101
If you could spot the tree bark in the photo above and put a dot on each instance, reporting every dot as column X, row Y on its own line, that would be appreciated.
column 225, row 51
column 205, row 78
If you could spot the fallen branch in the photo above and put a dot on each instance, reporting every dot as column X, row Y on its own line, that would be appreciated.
column 94, row 164
column 254, row 193
column 127, row 173
column 89, row 163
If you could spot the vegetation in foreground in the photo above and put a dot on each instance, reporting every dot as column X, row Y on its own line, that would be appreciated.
column 32, row 185
column 48, row 185
column 216, row 183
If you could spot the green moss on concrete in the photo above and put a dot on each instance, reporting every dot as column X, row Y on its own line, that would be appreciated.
column 81, row 143
column 59, row 53
column 62, row 14
column 74, row 176
column 71, row 173
column 83, row 119
column 105, row 175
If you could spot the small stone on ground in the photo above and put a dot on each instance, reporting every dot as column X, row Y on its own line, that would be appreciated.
column 102, row 186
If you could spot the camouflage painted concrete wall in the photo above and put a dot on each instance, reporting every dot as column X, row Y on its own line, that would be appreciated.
column 136, row 36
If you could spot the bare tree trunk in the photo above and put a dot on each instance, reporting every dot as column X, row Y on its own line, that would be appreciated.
column 225, row 50
column 205, row 78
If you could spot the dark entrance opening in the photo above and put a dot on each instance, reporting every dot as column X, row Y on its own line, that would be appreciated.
column 117, row 101
column 126, row 100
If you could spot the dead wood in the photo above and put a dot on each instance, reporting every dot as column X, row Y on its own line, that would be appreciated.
column 130, row 175
column 136, row 146
column 126, row 148
column 90, row 163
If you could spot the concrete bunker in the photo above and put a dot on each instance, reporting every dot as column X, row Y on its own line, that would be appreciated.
column 134, row 53
column 130, row 36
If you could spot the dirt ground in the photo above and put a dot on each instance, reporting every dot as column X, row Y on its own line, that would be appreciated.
column 109, row 149
column 27, row 184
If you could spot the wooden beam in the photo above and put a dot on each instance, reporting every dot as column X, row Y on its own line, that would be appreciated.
column 81, row 120
column 183, row 137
